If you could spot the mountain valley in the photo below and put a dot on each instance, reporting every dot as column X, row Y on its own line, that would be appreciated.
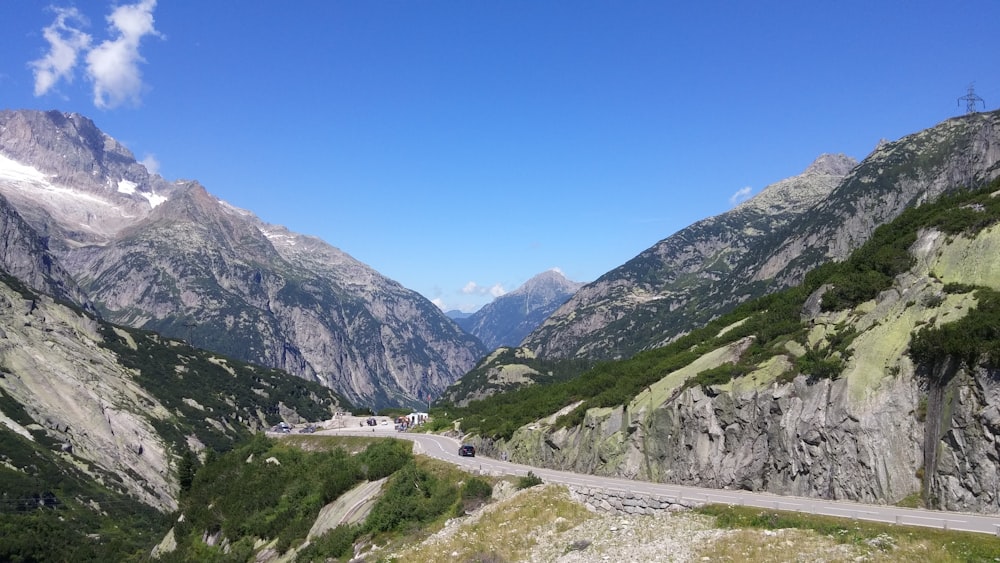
column 834, row 337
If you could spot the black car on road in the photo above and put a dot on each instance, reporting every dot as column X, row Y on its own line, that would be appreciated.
column 467, row 451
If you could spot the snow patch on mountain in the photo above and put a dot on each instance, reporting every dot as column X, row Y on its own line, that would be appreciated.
column 279, row 236
column 16, row 172
column 127, row 187
column 153, row 199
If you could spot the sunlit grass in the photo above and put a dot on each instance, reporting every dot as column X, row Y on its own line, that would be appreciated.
column 507, row 531
column 770, row 535
column 320, row 443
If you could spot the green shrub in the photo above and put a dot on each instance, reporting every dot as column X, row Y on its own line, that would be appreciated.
column 717, row 376
column 412, row 496
column 969, row 340
column 334, row 543
column 243, row 495
column 529, row 480
column 476, row 488
column 384, row 457
column 816, row 365
column 959, row 288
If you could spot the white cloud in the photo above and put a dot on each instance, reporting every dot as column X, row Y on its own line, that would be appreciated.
column 439, row 302
column 497, row 290
column 113, row 65
column 66, row 41
column 151, row 163
column 473, row 288
column 741, row 195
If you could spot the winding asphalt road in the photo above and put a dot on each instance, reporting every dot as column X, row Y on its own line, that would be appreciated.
column 445, row 448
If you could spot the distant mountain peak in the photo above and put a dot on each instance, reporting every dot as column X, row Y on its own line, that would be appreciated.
column 509, row 318
column 831, row 165
column 799, row 192
column 549, row 279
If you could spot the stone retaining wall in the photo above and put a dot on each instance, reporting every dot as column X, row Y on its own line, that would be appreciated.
column 618, row 501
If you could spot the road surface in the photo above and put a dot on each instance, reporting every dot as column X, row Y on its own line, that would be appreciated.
column 445, row 448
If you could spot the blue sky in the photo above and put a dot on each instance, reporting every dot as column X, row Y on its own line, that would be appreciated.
column 460, row 148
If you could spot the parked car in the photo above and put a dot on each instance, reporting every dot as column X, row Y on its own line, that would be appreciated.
column 467, row 451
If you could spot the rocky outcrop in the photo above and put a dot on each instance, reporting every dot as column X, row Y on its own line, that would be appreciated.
column 965, row 472
column 25, row 256
column 612, row 501
column 797, row 439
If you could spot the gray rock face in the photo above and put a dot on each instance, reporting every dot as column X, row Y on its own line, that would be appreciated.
column 509, row 318
column 967, row 476
column 171, row 258
column 24, row 255
column 796, row 439
column 767, row 243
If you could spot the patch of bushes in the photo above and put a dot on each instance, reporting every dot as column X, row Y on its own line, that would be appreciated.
column 412, row 496
column 718, row 375
column 959, row 288
column 970, row 339
column 817, row 365
column 47, row 508
column 272, row 490
column 528, row 481
column 334, row 543
column 227, row 389
column 384, row 457
column 475, row 492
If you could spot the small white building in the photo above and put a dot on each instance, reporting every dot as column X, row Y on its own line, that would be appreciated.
column 416, row 418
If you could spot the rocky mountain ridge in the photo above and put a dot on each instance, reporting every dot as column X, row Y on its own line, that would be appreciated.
column 767, row 243
column 669, row 280
column 172, row 258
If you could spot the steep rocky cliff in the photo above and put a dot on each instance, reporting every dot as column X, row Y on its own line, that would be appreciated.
column 878, row 428
column 25, row 255
column 170, row 257
column 768, row 242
